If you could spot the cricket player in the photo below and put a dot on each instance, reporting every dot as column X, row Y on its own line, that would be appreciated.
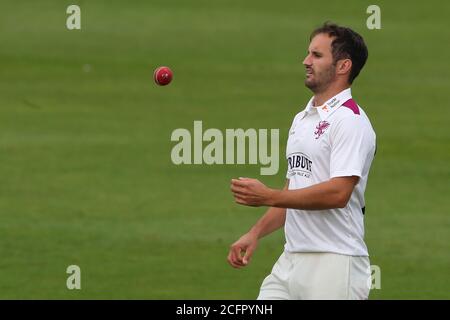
column 330, row 148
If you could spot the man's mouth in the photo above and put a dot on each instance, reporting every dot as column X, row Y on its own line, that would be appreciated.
column 309, row 72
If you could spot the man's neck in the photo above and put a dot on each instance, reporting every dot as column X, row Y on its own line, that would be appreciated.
column 322, row 97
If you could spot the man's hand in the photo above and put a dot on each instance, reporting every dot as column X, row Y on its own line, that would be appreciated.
column 251, row 192
column 241, row 251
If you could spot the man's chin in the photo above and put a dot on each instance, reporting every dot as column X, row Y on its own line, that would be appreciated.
column 310, row 84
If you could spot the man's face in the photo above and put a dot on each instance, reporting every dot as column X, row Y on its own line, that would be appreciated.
column 320, row 69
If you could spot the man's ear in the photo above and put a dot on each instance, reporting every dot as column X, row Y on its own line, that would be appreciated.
column 344, row 66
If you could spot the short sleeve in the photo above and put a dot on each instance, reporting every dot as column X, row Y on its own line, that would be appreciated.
column 352, row 141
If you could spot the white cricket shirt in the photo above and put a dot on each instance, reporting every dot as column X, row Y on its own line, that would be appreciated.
column 332, row 140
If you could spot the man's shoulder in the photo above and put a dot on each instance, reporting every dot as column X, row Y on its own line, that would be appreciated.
column 350, row 109
column 298, row 115
column 351, row 119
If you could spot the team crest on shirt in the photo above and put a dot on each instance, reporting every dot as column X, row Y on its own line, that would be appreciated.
column 320, row 128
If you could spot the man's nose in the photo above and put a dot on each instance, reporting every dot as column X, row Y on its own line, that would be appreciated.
column 307, row 60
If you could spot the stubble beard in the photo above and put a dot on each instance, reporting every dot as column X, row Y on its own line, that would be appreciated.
column 321, row 81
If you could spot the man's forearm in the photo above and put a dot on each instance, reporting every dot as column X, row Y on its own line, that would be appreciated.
column 331, row 194
column 272, row 220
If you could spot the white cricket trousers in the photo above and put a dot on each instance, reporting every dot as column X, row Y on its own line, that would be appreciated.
column 317, row 276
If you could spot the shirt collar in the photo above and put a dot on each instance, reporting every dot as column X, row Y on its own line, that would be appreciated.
column 326, row 109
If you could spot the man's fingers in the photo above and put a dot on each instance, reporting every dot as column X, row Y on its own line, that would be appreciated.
column 245, row 201
column 236, row 254
column 240, row 200
column 239, row 190
column 247, row 256
column 234, row 261
column 236, row 264
column 230, row 259
column 239, row 183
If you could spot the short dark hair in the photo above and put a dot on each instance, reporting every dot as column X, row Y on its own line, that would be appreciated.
column 347, row 44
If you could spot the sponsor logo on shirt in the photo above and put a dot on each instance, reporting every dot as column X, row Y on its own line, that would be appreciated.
column 299, row 164
column 333, row 103
column 320, row 128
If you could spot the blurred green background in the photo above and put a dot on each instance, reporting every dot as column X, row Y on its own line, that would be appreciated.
column 85, row 168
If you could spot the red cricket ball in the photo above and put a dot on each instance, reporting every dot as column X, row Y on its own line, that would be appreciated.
column 162, row 76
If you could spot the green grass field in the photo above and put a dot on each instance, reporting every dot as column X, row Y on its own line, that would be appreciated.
column 85, row 167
